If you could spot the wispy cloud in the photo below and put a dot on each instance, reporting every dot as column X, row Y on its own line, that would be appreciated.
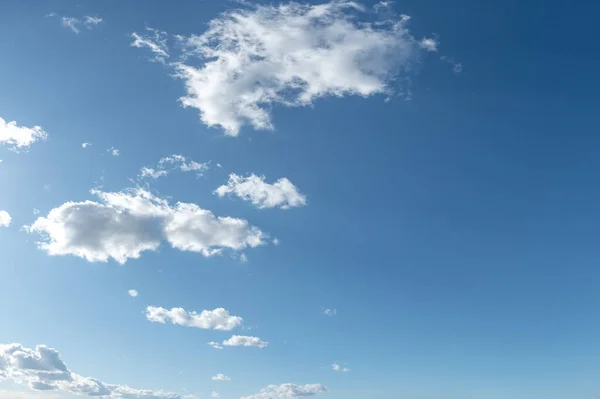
column 76, row 24
column 133, row 293
column 330, row 312
column 339, row 369
column 154, row 40
column 220, row 377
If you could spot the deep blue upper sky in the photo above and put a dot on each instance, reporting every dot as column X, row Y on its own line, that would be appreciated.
column 456, row 233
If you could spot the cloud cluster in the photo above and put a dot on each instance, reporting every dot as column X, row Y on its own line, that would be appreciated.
column 282, row 194
column 220, row 377
column 20, row 137
column 124, row 224
column 5, row 219
column 218, row 319
column 76, row 24
column 174, row 162
column 289, row 54
column 43, row 370
column 287, row 391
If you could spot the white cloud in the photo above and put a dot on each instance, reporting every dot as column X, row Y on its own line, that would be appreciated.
column 20, row 137
column 221, row 377
column 215, row 345
column 5, row 219
column 242, row 340
column 429, row 44
column 124, row 224
column 290, row 54
column 218, row 319
column 156, row 41
column 152, row 173
column 456, row 66
column 133, row 293
column 282, row 193
column 75, row 24
column 174, row 162
column 86, row 145
column 339, row 369
column 114, row 151
column 43, row 370
column 214, row 394
column 330, row 312
column 287, row 391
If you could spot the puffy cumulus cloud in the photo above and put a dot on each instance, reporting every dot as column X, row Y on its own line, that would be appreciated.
column 43, row 370
column 5, row 219
column 154, row 40
column 282, row 193
column 122, row 225
column 174, row 162
column 218, row 319
column 113, row 151
column 133, row 293
column 216, row 345
column 76, row 24
column 221, row 377
column 288, row 391
column 243, row 340
column 20, row 137
column 86, row 145
column 339, row 369
column 290, row 54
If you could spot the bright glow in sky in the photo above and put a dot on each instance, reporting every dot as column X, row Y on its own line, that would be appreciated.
column 288, row 200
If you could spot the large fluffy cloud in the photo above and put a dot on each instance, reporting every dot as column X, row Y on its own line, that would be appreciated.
column 19, row 137
column 288, row 391
column 253, row 188
column 43, row 370
column 218, row 319
column 289, row 54
column 122, row 225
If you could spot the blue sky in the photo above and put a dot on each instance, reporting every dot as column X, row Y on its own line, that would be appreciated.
column 414, row 200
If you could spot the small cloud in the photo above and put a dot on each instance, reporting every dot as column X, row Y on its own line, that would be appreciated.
column 456, row 66
column 85, row 145
column 242, row 340
column 221, row 377
column 275, row 241
column 336, row 367
column 214, row 394
column 215, row 345
column 243, row 258
column 133, row 293
column 36, row 211
column 5, row 219
column 330, row 312
column 280, row 194
column 50, row 15
column 429, row 44
column 113, row 151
